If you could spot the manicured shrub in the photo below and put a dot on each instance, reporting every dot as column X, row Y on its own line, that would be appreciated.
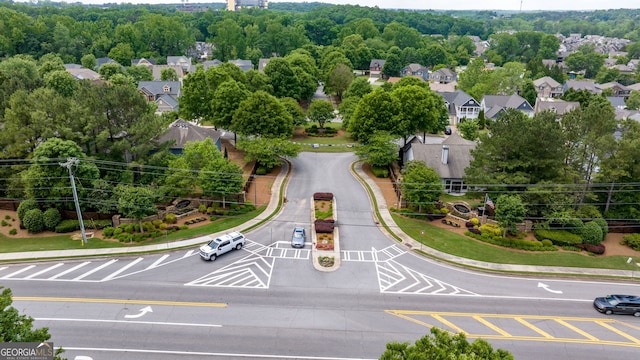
column 632, row 241
column 591, row 233
column 117, row 232
column 475, row 231
column 170, row 218
column 202, row 208
column 25, row 206
column 66, row 226
column 380, row 172
column 597, row 249
column 323, row 196
column 558, row 237
column 162, row 226
column 108, row 231
column 183, row 227
column 475, row 221
column 546, row 242
column 51, row 218
column 157, row 222
column 469, row 225
column 324, row 226
column 261, row 170
column 5, row 223
column 604, row 226
column 13, row 231
column 148, row 226
column 491, row 229
column 33, row 221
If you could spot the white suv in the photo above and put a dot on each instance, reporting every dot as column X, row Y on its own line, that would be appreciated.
column 221, row 245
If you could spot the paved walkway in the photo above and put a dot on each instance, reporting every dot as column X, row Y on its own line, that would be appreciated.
column 382, row 215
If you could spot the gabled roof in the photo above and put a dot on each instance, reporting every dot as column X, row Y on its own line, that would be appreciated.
column 168, row 100
column 496, row 103
column 459, row 98
column 547, row 80
column 178, row 60
column 556, row 105
column 617, row 101
column 582, row 85
column 415, row 67
column 377, row 63
column 104, row 60
column 182, row 132
column 634, row 87
column 446, row 72
column 211, row 63
column 83, row 73
column 442, row 87
column 156, row 70
column 244, row 65
column 143, row 61
column 262, row 63
column 158, row 87
column 610, row 85
column 458, row 159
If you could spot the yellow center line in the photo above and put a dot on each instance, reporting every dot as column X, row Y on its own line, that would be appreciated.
column 491, row 326
column 579, row 331
column 617, row 331
column 118, row 301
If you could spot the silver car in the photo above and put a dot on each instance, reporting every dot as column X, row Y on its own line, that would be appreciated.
column 298, row 238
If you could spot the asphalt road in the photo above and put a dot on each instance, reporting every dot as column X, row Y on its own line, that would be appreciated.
column 267, row 301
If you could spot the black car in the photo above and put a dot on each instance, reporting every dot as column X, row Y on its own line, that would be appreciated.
column 618, row 304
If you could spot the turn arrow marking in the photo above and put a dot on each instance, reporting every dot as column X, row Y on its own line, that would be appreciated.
column 546, row 287
column 141, row 314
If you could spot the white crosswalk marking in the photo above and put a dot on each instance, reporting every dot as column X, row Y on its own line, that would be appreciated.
column 69, row 270
column 19, row 272
column 161, row 259
column 95, row 270
column 122, row 269
column 44, row 271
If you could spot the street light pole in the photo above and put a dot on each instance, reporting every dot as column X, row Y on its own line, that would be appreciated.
column 71, row 162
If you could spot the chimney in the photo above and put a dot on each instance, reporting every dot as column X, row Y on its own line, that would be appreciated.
column 445, row 154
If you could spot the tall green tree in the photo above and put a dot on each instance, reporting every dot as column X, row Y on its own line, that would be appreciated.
column 320, row 111
column 377, row 110
column 282, row 78
column 380, row 151
column 195, row 101
column 420, row 109
column 261, row 114
column 136, row 202
column 47, row 179
column 229, row 40
column 226, row 100
column 182, row 175
column 295, row 110
column 267, row 152
column 221, row 178
column 421, row 186
column 339, row 80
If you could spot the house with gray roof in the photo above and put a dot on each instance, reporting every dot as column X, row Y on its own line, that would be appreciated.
column 104, row 60
column 415, row 70
column 617, row 89
column 167, row 103
column 182, row 61
column 460, row 106
column 443, row 76
column 448, row 158
column 156, row 70
column 180, row 132
column 211, row 63
column 82, row 73
column 155, row 91
column 494, row 105
column 578, row 85
column 244, row 65
column 559, row 107
column 547, row 87
column 143, row 61
column 617, row 102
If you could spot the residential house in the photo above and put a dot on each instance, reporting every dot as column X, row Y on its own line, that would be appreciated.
column 104, row 60
column 624, row 69
column 560, row 107
column 375, row 68
column 244, row 65
column 494, row 105
column 211, row 63
column 180, row 132
column 156, row 70
column 440, row 87
column 182, row 61
column 460, row 105
column 262, row 62
column 82, row 73
column 617, row 102
column 547, row 87
column 163, row 93
column 577, row 85
column 617, row 89
column 443, row 76
column 145, row 62
column 448, row 158
column 415, row 70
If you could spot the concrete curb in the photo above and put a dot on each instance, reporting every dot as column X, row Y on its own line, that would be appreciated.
column 383, row 216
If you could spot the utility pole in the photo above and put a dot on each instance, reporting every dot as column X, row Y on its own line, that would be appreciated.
column 74, row 162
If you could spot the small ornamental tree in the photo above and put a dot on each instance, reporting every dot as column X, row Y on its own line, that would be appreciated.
column 51, row 218
column 509, row 212
column 25, row 206
column 420, row 184
column 320, row 111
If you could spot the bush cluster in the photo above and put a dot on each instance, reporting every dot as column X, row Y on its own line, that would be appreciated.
column 380, row 172
column 491, row 230
column 323, row 196
column 314, row 130
column 632, row 241
column 51, row 218
column 521, row 244
column 558, row 237
column 71, row 225
column 597, row 249
column 25, row 206
column 592, row 233
column 324, row 226
column 450, row 223
column 33, row 221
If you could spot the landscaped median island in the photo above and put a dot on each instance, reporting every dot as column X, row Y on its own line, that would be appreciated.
column 324, row 233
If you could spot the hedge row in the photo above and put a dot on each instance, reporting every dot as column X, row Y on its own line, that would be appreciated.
column 530, row 245
column 71, row 225
column 558, row 237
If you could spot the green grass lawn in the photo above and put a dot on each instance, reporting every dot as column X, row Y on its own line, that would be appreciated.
column 455, row 244
column 64, row 242
column 338, row 143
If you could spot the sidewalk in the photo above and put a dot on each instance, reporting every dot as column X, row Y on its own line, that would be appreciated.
column 271, row 209
column 381, row 215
